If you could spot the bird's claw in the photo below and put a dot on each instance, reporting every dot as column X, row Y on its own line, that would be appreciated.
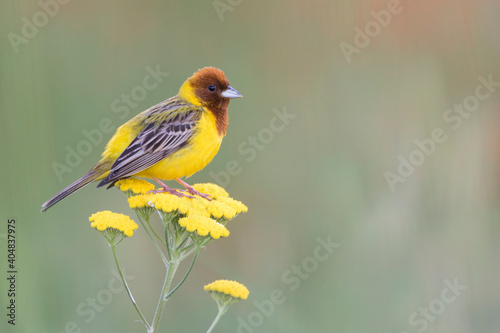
column 189, row 189
column 172, row 191
column 192, row 191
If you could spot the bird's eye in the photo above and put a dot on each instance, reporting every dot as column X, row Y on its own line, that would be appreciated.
column 211, row 88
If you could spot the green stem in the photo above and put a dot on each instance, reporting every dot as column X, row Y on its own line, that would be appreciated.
column 154, row 233
column 187, row 254
column 222, row 310
column 171, row 269
column 167, row 239
column 185, row 276
column 165, row 261
column 143, row 319
column 186, row 237
column 187, row 247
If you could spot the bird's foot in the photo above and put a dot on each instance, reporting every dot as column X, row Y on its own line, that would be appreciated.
column 167, row 189
column 192, row 191
column 172, row 191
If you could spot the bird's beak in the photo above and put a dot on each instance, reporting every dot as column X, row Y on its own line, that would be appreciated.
column 230, row 92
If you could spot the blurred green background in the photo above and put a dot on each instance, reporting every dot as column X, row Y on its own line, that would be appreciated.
column 322, row 174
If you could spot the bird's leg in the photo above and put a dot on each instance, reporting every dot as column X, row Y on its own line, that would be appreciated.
column 167, row 189
column 192, row 191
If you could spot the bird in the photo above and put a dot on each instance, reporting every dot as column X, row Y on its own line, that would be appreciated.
column 169, row 141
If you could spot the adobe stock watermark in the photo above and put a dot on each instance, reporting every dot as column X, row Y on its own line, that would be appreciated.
column 426, row 315
column 120, row 106
column 30, row 27
column 454, row 118
column 88, row 309
column 292, row 280
column 223, row 6
column 254, row 144
column 373, row 28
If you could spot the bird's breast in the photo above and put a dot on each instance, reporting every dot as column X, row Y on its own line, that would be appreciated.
column 201, row 149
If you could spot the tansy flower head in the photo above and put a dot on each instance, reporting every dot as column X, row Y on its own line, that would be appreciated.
column 106, row 220
column 169, row 203
column 204, row 226
column 161, row 201
column 225, row 208
column 134, row 186
column 217, row 210
column 227, row 287
column 140, row 201
column 213, row 190
column 238, row 206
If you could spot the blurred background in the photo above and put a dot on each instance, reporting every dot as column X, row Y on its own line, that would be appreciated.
column 369, row 124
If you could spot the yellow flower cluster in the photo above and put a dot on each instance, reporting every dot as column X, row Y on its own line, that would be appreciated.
column 109, row 220
column 231, row 288
column 212, row 189
column 137, row 186
column 203, row 226
column 221, row 205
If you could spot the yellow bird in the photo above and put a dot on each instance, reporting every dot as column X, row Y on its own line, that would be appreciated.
column 170, row 140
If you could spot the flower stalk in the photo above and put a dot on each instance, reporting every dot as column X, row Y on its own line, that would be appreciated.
column 185, row 275
column 143, row 319
column 171, row 269
column 222, row 310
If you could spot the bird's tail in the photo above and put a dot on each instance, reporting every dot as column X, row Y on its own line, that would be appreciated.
column 96, row 173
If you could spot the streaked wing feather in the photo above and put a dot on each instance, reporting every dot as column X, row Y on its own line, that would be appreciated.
column 174, row 125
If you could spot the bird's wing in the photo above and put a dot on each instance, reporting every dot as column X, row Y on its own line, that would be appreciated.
column 169, row 126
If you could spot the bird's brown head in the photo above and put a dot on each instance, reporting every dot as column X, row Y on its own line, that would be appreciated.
column 209, row 87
